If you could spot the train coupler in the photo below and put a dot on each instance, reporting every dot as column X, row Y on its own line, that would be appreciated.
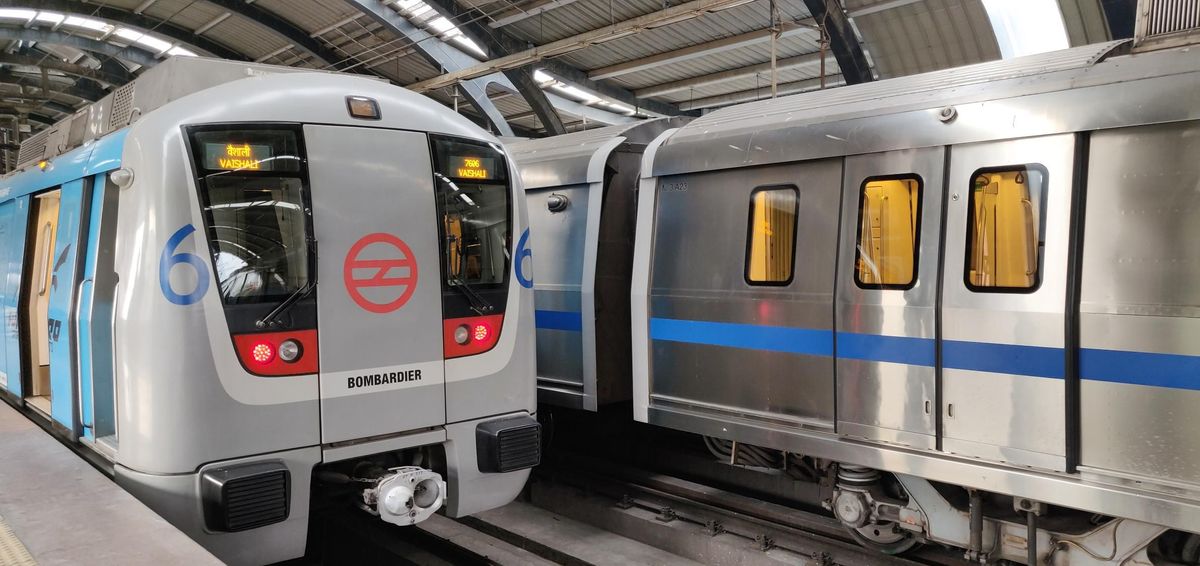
column 405, row 496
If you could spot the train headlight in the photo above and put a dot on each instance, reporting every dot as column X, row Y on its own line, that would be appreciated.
column 462, row 334
column 480, row 332
column 290, row 350
column 262, row 353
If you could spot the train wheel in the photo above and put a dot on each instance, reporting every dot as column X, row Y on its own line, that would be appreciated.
column 887, row 538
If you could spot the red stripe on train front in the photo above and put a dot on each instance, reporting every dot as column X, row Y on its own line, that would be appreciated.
column 471, row 335
column 278, row 354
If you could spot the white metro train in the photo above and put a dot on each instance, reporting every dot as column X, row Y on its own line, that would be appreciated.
column 161, row 254
column 968, row 296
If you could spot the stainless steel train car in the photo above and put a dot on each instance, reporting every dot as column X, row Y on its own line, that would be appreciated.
column 240, row 287
column 581, row 192
column 973, row 278
column 962, row 295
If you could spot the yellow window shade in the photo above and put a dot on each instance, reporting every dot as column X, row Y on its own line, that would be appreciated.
column 1003, row 237
column 771, row 251
column 887, row 237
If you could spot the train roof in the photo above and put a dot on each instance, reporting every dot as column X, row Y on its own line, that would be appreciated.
column 906, row 112
column 563, row 160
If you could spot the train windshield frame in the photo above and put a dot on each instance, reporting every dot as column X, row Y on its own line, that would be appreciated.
column 473, row 194
column 254, row 194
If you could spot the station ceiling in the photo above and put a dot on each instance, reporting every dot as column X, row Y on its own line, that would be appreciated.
column 532, row 67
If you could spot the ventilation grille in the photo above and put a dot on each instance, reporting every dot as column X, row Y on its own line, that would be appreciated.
column 256, row 501
column 33, row 148
column 1167, row 23
column 1170, row 16
column 519, row 448
column 122, row 107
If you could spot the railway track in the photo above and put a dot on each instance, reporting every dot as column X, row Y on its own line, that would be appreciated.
column 580, row 512
column 705, row 523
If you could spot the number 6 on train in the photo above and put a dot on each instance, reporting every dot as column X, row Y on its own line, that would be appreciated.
column 169, row 259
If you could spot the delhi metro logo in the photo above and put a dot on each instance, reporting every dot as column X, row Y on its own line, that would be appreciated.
column 380, row 273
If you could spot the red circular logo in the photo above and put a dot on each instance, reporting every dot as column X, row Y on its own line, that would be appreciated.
column 382, row 260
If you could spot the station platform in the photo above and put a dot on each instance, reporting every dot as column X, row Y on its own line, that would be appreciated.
column 55, row 508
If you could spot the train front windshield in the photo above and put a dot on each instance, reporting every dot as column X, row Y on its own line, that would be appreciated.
column 472, row 196
column 252, row 191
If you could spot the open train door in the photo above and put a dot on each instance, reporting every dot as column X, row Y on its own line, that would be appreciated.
column 379, row 291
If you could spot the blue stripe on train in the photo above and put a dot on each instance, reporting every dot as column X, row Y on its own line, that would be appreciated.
column 895, row 349
column 1035, row 361
column 749, row 336
column 558, row 320
column 1136, row 368
column 1141, row 368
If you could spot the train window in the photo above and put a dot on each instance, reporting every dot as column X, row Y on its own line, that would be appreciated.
column 1006, row 228
column 888, row 228
column 470, row 184
column 254, row 204
column 771, row 242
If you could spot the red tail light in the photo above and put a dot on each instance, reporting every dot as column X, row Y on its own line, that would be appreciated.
column 471, row 335
column 261, row 354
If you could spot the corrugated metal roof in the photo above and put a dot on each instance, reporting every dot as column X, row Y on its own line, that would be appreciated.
column 926, row 35
column 901, row 38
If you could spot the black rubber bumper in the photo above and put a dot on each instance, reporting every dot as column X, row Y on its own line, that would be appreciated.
column 509, row 444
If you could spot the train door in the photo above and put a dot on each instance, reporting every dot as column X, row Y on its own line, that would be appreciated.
column 743, row 277
column 38, row 273
column 379, row 292
column 94, row 326
column 61, row 312
column 887, row 295
column 14, row 219
column 1004, row 297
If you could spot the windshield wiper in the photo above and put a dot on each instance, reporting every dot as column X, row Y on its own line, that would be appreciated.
column 273, row 316
column 478, row 304
column 283, row 307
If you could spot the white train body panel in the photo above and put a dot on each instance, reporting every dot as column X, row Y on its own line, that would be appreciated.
column 351, row 208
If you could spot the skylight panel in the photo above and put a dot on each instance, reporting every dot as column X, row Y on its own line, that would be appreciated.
column 88, row 23
column 50, row 18
column 17, row 14
column 1026, row 27
column 142, row 39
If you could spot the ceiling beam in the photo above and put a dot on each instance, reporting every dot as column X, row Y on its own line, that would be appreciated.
column 806, row 60
column 492, row 42
column 136, row 20
column 842, row 40
column 681, row 12
column 598, row 115
column 9, row 111
column 519, row 13
column 579, row 79
column 133, row 55
column 537, row 100
column 27, row 103
column 441, row 55
column 802, row 27
column 83, row 89
column 109, row 76
column 794, row 87
column 299, row 38
column 571, row 75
